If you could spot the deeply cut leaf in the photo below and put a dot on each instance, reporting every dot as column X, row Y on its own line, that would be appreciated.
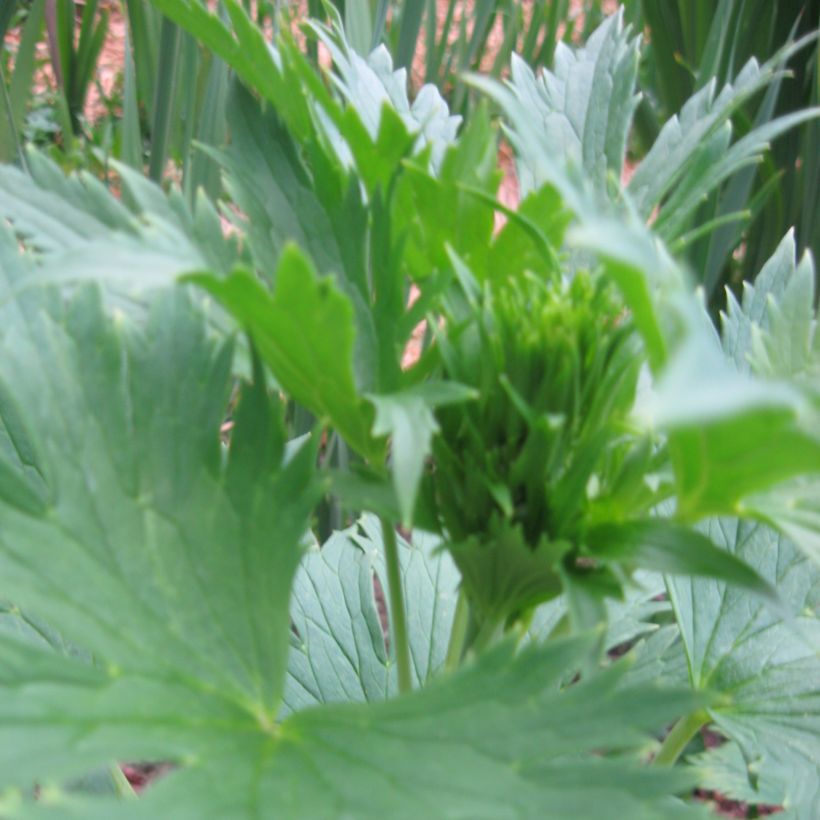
column 339, row 653
column 305, row 333
column 767, row 668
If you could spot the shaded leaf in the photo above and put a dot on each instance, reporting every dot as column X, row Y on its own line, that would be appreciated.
column 339, row 653
column 765, row 666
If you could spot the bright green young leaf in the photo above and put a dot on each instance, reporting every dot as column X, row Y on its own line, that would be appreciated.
column 732, row 433
column 765, row 668
column 305, row 333
column 409, row 420
column 338, row 650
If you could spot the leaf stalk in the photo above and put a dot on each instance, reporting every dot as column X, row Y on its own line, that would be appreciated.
column 398, row 617
column 678, row 739
column 458, row 633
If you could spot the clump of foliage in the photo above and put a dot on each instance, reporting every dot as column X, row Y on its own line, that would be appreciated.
column 587, row 463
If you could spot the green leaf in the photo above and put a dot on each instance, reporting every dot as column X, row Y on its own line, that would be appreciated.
column 408, row 418
column 338, row 653
column 774, row 330
column 714, row 162
column 174, row 571
column 582, row 109
column 680, row 142
column 129, row 555
column 305, row 332
column 81, row 231
column 765, row 666
column 665, row 546
column 738, row 321
column 731, row 434
column 794, row 509
column 724, row 769
column 272, row 187
column 419, row 755
column 369, row 83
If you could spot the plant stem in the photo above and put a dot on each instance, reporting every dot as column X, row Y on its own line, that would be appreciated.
column 398, row 618
column 678, row 739
column 458, row 633
column 486, row 634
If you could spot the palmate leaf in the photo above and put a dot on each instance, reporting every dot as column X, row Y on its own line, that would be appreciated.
column 766, row 666
column 339, row 653
column 419, row 755
column 172, row 565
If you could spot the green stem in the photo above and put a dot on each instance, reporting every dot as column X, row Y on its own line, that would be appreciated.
column 458, row 633
column 398, row 618
column 678, row 739
column 487, row 633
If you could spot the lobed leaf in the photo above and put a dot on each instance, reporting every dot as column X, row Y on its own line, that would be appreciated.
column 338, row 651
column 763, row 662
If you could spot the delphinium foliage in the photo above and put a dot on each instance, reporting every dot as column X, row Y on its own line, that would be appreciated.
column 575, row 464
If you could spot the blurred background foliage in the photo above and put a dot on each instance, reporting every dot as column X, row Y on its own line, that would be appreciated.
column 99, row 80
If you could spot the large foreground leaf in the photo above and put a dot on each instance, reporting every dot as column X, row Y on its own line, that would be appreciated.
column 420, row 755
column 172, row 566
